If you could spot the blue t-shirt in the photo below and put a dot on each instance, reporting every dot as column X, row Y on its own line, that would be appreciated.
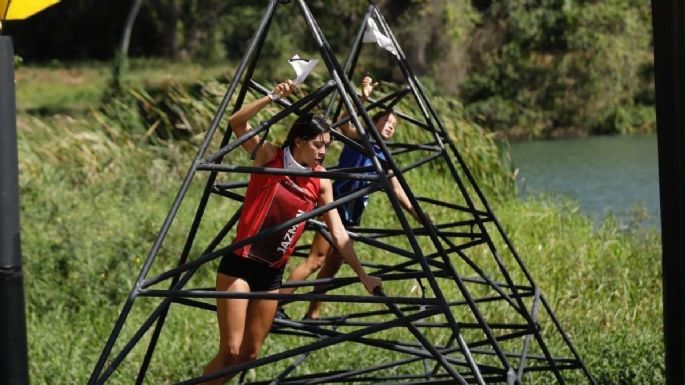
column 351, row 212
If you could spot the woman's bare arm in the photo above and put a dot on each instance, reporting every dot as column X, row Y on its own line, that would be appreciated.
column 341, row 240
column 348, row 129
column 240, row 124
column 402, row 198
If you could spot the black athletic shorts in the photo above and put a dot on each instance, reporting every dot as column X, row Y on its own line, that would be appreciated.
column 259, row 276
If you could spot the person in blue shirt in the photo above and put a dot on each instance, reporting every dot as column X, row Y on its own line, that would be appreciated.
column 322, row 255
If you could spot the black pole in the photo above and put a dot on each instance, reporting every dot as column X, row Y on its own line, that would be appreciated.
column 260, row 35
column 13, row 345
column 669, row 61
column 175, row 206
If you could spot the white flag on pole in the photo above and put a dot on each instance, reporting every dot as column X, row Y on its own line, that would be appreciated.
column 302, row 67
column 374, row 35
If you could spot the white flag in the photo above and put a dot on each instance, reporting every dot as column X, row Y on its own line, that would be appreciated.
column 373, row 35
column 302, row 67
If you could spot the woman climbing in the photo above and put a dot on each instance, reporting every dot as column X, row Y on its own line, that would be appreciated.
column 321, row 252
column 270, row 200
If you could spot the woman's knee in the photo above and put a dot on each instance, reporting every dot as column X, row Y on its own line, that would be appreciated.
column 249, row 354
column 231, row 354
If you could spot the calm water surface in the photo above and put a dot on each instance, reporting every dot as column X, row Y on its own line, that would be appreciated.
column 604, row 174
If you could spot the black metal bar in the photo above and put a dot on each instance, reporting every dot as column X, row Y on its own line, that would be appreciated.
column 432, row 146
column 374, row 104
column 526, row 342
column 669, row 61
column 348, row 280
column 450, row 304
column 420, row 98
column 531, row 357
column 471, row 325
column 419, row 94
column 348, row 374
column 480, row 272
column 420, row 162
column 345, row 375
column 390, row 232
column 345, row 92
column 308, row 348
column 283, row 102
column 566, row 339
column 428, row 345
column 13, row 343
column 230, row 185
column 402, row 61
column 395, row 346
column 404, row 116
column 469, row 210
column 321, row 92
column 194, row 303
column 384, row 246
column 230, row 195
column 409, row 308
column 179, row 197
column 141, row 331
column 288, row 172
column 429, row 258
column 291, row 297
column 265, row 233
column 351, row 62
column 375, row 234
column 201, row 208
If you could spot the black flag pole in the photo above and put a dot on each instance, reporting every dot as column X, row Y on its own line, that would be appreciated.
column 13, row 345
column 669, row 60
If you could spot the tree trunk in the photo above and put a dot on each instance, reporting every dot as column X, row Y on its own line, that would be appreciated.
column 120, row 70
column 128, row 27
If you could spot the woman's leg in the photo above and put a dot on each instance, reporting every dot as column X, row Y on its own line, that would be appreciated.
column 317, row 254
column 231, row 314
column 260, row 316
column 330, row 267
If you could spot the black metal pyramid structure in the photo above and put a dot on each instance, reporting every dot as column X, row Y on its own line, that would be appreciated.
column 459, row 305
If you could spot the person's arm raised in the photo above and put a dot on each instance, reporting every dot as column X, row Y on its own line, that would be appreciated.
column 240, row 124
column 341, row 239
column 348, row 129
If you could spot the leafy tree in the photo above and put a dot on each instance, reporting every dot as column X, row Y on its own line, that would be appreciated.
column 545, row 67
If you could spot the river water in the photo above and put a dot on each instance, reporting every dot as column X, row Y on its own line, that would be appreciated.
column 607, row 174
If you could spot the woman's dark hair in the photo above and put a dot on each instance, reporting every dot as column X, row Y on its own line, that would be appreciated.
column 381, row 114
column 306, row 127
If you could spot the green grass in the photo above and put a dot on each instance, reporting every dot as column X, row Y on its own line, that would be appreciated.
column 76, row 87
column 60, row 88
column 96, row 188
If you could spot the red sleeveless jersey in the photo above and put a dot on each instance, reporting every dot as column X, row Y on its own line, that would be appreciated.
column 269, row 201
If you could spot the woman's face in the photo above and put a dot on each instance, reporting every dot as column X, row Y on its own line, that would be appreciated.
column 311, row 152
column 386, row 126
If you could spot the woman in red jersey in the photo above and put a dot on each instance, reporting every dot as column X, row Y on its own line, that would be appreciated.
column 271, row 200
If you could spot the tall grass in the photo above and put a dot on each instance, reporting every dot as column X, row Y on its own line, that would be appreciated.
column 95, row 190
